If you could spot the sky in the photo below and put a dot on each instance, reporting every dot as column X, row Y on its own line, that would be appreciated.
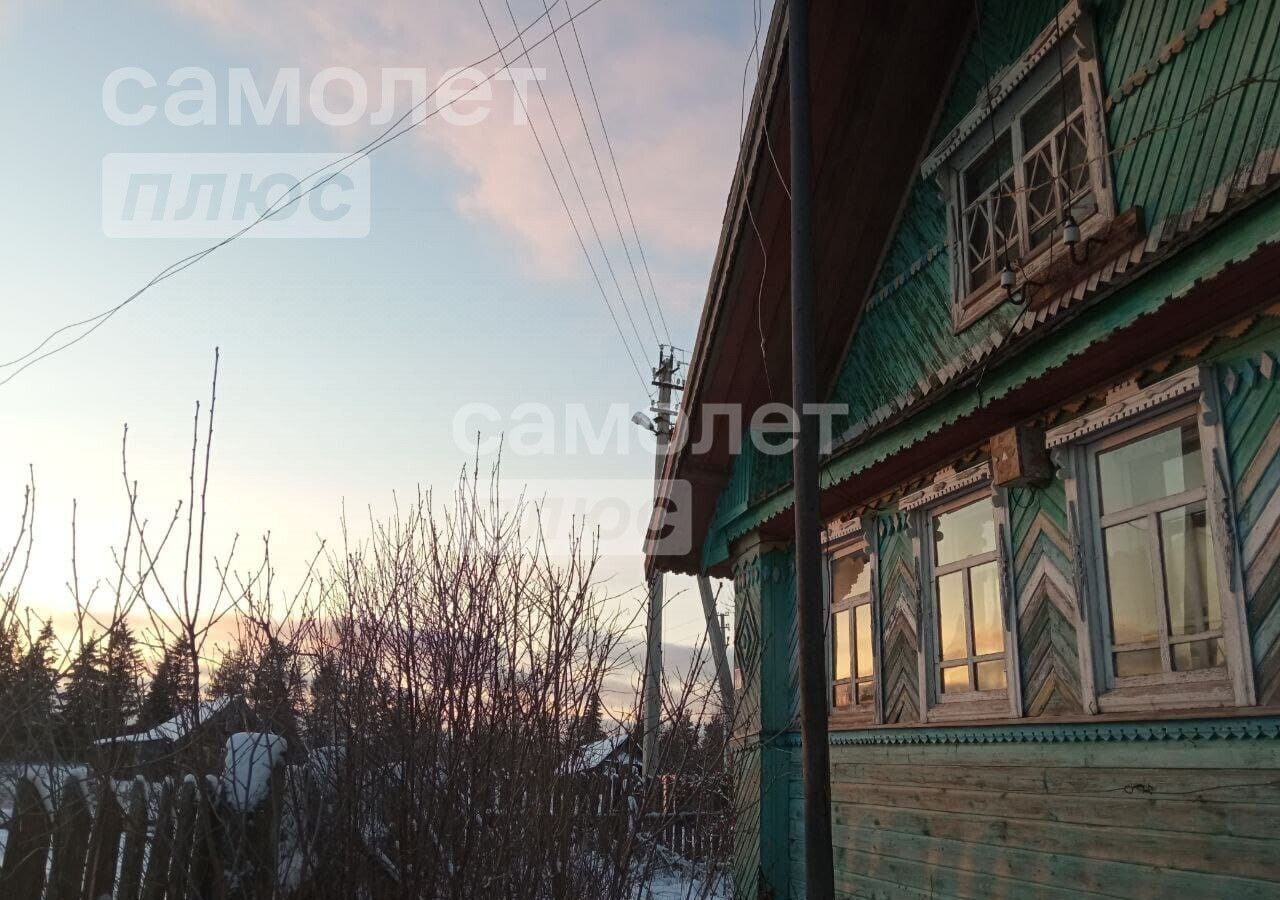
column 357, row 368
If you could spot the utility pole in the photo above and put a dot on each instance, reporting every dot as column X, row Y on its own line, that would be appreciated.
column 715, row 637
column 664, row 379
column 815, row 752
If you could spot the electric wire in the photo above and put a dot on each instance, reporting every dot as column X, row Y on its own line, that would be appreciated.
column 604, row 185
column 288, row 198
column 613, row 159
column 283, row 201
column 573, row 173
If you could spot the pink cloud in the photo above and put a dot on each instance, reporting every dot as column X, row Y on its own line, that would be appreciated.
column 670, row 97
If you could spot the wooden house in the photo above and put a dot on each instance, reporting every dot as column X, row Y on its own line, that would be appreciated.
column 191, row 741
column 1048, row 305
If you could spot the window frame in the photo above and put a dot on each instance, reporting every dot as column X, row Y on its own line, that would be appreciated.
column 948, row 494
column 855, row 713
column 971, row 659
column 1076, row 446
column 1068, row 43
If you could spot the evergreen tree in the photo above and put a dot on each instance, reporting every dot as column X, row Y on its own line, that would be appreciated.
column 84, row 718
column 277, row 691
column 322, row 716
column 233, row 676
column 36, row 692
column 170, row 690
column 10, row 665
column 10, row 653
column 589, row 726
column 122, row 696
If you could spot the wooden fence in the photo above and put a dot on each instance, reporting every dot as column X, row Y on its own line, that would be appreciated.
column 688, row 816
column 95, row 839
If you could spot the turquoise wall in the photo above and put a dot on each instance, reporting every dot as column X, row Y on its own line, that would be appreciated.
column 1156, row 811
column 1198, row 116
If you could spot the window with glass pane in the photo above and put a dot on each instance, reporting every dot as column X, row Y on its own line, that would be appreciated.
column 1165, row 612
column 852, row 645
column 968, row 619
column 990, row 217
column 1055, row 161
column 1019, row 190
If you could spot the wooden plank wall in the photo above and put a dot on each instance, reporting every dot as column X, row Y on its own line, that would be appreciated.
column 899, row 592
column 1048, row 615
column 765, row 654
column 1250, row 392
column 1117, row 818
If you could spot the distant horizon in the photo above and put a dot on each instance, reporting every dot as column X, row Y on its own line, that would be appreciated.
column 346, row 365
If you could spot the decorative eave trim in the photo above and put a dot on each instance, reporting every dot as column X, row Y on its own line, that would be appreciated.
column 1203, row 22
column 916, row 267
column 996, row 92
column 841, row 528
column 1160, row 394
column 1253, row 182
column 1119, row 732
column 945, row 485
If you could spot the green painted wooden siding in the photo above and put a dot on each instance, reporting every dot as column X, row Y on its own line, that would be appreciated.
column 1187, row 129
column 1250, row 392
column 1048, row 618
column 1176, row 156
column 765, row 653
column 899, row 594
column 1167, row 158
column 1196, row 817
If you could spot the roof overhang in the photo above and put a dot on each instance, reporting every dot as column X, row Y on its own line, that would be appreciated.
column 879, row 74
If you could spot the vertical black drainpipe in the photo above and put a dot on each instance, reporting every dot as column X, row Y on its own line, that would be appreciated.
column 819, row 876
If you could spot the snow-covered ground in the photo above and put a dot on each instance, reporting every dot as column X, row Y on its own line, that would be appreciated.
column 673, row 884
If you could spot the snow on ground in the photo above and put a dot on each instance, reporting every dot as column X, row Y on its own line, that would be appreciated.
column 674, row 884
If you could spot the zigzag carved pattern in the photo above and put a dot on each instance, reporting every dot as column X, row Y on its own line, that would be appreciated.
column 899, row 597
column 1250, row 390
column 1047, row 610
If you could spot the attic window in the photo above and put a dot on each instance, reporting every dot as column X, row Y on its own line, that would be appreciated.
column 1028, row 157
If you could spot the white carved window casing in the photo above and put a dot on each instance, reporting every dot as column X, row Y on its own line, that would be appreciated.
column 1154, row 535
column 852, row 641
column 967, row 648
column 1028, row 159
column 968, row 629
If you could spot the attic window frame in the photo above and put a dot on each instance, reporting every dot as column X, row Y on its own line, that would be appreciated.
column 1066, row 48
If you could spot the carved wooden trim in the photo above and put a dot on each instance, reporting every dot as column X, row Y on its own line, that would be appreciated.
column 992, row 95
column 1220, row 500
column 945, row 485
column 1183, row 384
column 1258, row 728
column 840, row 528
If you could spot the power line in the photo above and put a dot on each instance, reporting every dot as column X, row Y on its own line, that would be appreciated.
column 280, row 202
column 613, row 159
column 564, row 200
column 288, row 198
column 573, row 174
column 604, row 185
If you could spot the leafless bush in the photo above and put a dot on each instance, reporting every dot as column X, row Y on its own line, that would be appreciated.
column 436, row 683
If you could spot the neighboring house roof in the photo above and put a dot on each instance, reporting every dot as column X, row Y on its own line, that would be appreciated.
column 610, row 749
column 174, row 729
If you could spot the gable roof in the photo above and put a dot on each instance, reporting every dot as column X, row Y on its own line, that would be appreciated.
column 878, row 73
column 176, row 728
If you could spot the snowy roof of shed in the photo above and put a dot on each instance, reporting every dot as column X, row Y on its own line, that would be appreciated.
column 172, row 730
